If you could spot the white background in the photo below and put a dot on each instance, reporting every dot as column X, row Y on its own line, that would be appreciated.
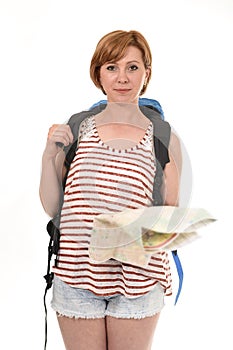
column 46, row 47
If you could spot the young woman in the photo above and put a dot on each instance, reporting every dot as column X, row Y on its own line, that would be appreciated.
column 108, row 305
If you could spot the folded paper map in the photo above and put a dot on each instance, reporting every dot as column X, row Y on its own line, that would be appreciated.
column 133, row 235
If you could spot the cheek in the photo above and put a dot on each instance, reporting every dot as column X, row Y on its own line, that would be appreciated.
column 138, row 81
column 106, row 79
column 104, row 76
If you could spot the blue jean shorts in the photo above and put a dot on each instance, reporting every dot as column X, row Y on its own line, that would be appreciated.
column 81, row 303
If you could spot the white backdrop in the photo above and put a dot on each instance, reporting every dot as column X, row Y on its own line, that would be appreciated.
column 46, row 47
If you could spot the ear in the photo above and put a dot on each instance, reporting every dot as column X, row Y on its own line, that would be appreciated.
column 148, row 73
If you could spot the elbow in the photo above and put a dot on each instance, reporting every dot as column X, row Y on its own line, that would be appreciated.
column 171, row 202
column 51, row 212
column 50, row 208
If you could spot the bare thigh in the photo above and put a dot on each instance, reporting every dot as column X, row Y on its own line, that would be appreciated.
column 130, row 334
column 83, row 334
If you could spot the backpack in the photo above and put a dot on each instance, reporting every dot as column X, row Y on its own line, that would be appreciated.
column 153, row 111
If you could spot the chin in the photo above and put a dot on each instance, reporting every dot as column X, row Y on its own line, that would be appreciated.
column 124, row 99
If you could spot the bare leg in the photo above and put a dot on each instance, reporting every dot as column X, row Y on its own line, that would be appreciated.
column 83, row 334
column 131, row 334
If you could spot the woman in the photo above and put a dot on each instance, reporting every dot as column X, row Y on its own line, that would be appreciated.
column 108, row 305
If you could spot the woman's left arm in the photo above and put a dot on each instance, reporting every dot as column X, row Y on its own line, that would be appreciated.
column 172, row 173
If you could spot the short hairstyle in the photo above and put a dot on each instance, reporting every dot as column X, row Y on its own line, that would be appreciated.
column 112, row 47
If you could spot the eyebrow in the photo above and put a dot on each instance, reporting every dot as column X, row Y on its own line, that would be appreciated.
column 114, row 62
column 133, row 61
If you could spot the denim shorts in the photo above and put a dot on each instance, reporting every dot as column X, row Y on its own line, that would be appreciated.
column 81, row 303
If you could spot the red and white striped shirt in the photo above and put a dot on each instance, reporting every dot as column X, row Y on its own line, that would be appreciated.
column 102, row 179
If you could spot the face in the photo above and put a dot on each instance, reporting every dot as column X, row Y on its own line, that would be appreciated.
column 123, row 80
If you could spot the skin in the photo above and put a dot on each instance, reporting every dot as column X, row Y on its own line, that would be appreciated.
column 122, row 81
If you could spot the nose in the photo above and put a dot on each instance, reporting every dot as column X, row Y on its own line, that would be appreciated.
column 122, row 77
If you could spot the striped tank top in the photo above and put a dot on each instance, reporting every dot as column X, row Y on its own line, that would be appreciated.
column 101, row 180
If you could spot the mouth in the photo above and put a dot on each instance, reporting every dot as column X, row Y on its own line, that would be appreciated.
column 122, row 91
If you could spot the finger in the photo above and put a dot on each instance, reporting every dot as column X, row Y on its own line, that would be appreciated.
column 59, row 137
column 65, row 132
column 60, row 133
column 69, row 133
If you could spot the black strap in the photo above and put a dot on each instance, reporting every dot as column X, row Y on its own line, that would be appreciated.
column 49, row 285
column 53, row 247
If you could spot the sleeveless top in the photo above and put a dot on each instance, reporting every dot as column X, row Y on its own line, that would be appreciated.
column 102, row 179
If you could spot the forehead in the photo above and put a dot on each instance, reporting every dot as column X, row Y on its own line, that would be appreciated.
column 132, row 53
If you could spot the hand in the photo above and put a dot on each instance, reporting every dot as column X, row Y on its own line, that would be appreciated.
column 58, row 133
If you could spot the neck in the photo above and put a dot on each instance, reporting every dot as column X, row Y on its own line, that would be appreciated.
column 126, row 113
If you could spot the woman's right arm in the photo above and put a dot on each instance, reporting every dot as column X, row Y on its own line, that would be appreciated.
column 52, row 168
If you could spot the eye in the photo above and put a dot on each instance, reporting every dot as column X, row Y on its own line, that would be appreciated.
column 133, row 67
column 111, row 67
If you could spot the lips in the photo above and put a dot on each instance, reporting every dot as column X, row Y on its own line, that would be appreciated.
column 122, row 90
